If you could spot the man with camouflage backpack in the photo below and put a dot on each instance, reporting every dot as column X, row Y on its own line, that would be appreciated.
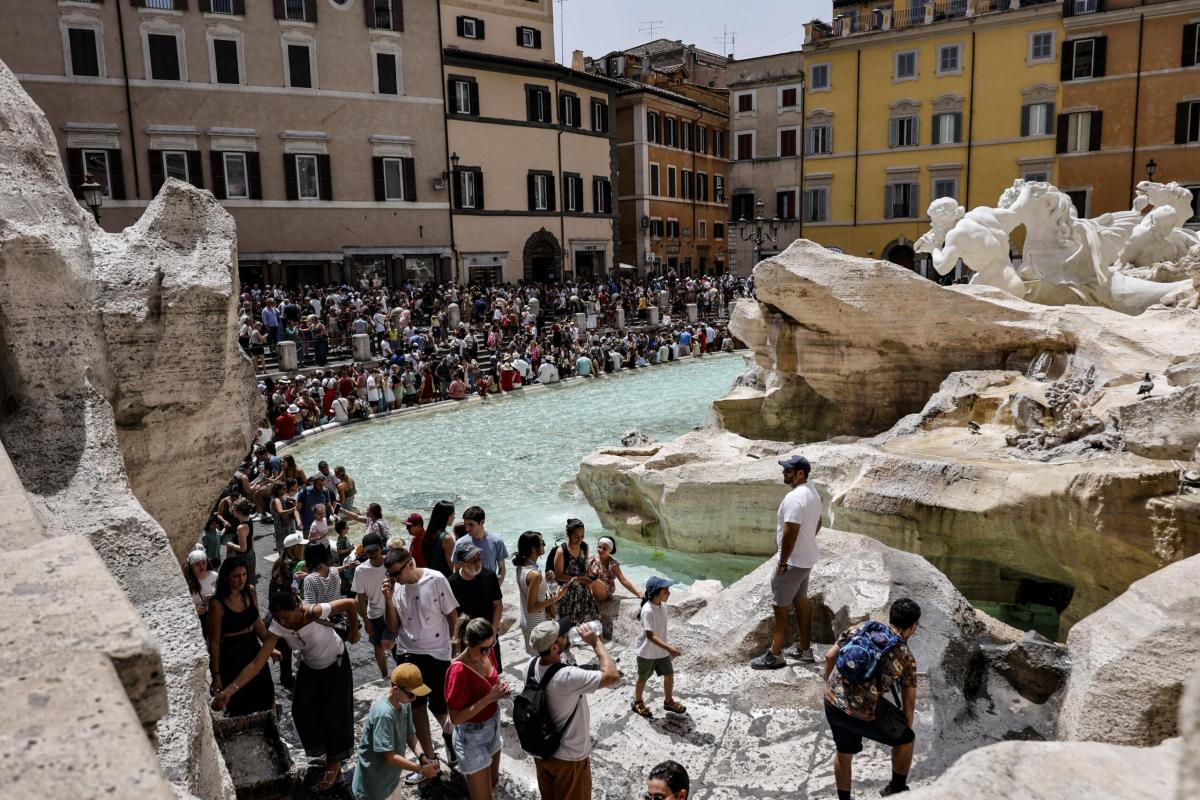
column 868, row 660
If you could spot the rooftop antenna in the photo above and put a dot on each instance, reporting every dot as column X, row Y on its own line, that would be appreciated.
column 561, row 44
column 729, row 38
column 648, row 26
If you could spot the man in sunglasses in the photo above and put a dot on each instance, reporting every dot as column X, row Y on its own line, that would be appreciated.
column 386, row 731
column 796, row 526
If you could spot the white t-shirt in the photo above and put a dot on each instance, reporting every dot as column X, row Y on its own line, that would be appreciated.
column 208, row 587
column 340, row 409
column 654, row 619
column 547, row 373
column 423, row 607
column 801, row 505
column 318, row 645
column 565, row 691
column 368, row 580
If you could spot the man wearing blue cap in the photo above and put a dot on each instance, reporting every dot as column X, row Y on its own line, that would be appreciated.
column 796, row 525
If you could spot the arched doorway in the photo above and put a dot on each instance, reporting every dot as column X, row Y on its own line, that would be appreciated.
column 543, row 258
column 900, row 252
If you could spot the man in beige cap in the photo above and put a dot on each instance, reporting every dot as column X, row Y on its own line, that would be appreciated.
column 386, row 731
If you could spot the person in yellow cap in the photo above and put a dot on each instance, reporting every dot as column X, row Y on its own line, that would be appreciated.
column 386, row 731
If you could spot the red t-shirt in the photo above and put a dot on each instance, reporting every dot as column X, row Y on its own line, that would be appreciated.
column 285, row 426
column 416, row 546
column 346, row 386
column 465, row 687
column 506, row 378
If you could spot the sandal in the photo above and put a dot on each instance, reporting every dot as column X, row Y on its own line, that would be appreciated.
column 640, row 708
column 333, row 773
column 675, row 707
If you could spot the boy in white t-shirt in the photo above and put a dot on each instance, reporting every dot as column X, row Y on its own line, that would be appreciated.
column 653, row 651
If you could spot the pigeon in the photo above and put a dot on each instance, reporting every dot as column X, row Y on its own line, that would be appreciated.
column 973, row 427
column 1146, row 386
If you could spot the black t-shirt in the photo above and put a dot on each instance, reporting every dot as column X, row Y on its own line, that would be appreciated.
column 475, row 597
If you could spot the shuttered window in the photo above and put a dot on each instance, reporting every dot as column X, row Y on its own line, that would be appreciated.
column 1187, row 122
column 1191, row 45
column 103, row 166
column 900, row 200
column 299, row 66
column 1037, row 119
column 386, row 72
column 225, row 59
column 386, row 15
column 601, row 195
column 164, row 56
column 787, row 142
column 1084, row 58
column 947, row 128
column 85, row 59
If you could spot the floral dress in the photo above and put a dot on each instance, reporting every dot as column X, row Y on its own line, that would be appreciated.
column 578, row 604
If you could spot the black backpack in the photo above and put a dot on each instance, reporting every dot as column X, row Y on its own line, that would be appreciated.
column 583, row 551
column 531, row 715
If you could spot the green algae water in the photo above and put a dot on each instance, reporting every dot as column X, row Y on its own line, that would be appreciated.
column 516, row 456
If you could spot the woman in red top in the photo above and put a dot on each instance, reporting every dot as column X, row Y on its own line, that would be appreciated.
column 473, row 688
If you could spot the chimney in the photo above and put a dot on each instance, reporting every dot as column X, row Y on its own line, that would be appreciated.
column 577, row 60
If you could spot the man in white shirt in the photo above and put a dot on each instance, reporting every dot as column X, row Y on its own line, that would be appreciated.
column 797, row 523
column 547, row 372
column 367, row 587
column 568, row 775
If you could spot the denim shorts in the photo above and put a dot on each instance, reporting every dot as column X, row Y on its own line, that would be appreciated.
column 476, row 742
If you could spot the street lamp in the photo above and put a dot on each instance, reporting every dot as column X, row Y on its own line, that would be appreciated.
column 93, row 195
column 1151, row 166
column 758, row 235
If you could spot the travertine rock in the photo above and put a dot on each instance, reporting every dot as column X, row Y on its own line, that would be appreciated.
column 1035, row 666
column 1189, row 726
column 1131, row 659
column 1165, row 425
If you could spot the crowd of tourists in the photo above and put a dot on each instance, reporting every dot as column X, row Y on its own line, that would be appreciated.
column 429, row 601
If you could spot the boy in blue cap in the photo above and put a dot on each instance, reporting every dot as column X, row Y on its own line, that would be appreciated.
column 653, row 651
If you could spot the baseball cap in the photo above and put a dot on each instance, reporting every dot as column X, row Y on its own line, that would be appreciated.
column 372, row 541
column 467, row 552
column 656, row 584
column 796, row 462
column 293, row 539
column 414, row 519
column 408, row 677
column 547, row 633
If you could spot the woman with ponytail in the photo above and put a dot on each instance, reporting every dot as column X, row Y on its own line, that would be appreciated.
column 473, row 689
column 536, row 598
column 438, row 545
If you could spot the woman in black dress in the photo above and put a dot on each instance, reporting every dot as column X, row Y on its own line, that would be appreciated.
column 235, row 634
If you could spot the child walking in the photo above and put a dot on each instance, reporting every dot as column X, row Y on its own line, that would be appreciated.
column 653, row 651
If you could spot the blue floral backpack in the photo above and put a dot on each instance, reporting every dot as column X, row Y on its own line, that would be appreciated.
column 859, row 659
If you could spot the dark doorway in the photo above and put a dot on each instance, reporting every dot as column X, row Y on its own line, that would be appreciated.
column 543, row 258
column 589, row 265
column 902, row 255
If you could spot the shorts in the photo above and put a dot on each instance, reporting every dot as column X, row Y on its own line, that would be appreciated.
column 787, row 587
column 433, row 672
column 848, row 732
column 475, row 743
column 381, row 635
column 654, row 666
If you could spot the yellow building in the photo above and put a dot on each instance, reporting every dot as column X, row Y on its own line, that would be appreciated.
column 907, row 104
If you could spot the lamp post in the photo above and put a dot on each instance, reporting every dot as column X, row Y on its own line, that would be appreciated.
column 93, row 195
column 450, row 177
column 1151, row 167
column 764, row 230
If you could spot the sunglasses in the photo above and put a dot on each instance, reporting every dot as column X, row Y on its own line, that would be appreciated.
column 396, row 573
column 657, row 796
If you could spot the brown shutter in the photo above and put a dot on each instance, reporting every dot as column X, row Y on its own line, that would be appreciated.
column 1067, row 66
column 408, row 168
column 1097, row 128
column 1099, row 56
column 289, row 177
column 1024, row 120
column 456, row 188
column 479, row 188
column 380, row 181
column 325, row 171
column 195, row 169
column 180, row 5
column 474, row 89
column 1181, row 122
column 530, row 180
column 398, row 15
column 479, row 29
column 280, row 11
column 254, row 176
column 550, row 198
column 310, row 10
column 1061, row 134
column 460, row 26
column 239, row 7
column 537, row 38
column 75, row 171
column 217, row 162
column 206, row 6
column 1189, row 44
column 157, row 178
column 116, row 175
column 138, row 3
column 520, row 40
column 369, row 13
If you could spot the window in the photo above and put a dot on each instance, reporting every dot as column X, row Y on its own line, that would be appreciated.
column 702, row 227
column 785, row 204
column 788, row 97
column 95, row 165
column 569, row 110
column 175, row 165
column 719, row 188
column 225, row 60
column 381, row 15
column 702, row 186
column 537, row 104
column 572, row 193
column 1035, row 177
column 541, row 191
column 652, row 127
column 1084, row 58
column 903, row 132
column 686, row 185
column 745, row 146
column 299, row 10
column 742, row 206
column 529, row 37
column 393, row 179
column 299, row 66
column 1079, row 199
column 464, row 96
column 670, row 181
column 900, row 200
column 166, row 5
column 1084, row 6
column 164, row 56
column 1079, row 132
column 656, row 228
column 225, row 7
column 470, row 28
column 685, row 136
column 85, row 59
column 787, row 142
column 816, row 204
column 599, row 116
column 1041, row 46
column 308, row 179
column 654, row 184
column 818, row 77
column 672, row 229
column 1195, row 190
column 701, row 139
column 1187, row 122
column 237, row 176
column 949, row 60
column 1037, row 119
column 468, row 183
column 718, row 230
column 669, row 131
column 719, row 144
column 386, row 75
column 601, row 195
column 818, row 140
column 947, row 128
column 745, row 102
column 183, row 165
column 1191, row 45
column 945, row 187
column 905, row 66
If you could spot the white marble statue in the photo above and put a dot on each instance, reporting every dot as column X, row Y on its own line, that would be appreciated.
column 1160, row 235
column 979, row 237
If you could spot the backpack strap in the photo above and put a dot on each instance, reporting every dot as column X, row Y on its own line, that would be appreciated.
column 550, row 673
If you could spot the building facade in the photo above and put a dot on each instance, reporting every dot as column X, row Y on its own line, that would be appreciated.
column 766, row 102
column 1130, row 76
column 907, row 104
column 317, row 123
column 531, row 145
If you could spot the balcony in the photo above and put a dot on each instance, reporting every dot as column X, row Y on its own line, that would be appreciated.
column 295, row 10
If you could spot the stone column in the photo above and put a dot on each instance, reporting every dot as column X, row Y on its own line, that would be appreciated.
column 534, row 308
column 361, row 346
column 287, row 356
column 664, row 299
column 581, row 321
column 652, row 316
column 692, row 316
column 453, row 316
column 619, row 322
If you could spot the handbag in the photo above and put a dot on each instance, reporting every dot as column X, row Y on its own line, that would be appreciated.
column 891, row 719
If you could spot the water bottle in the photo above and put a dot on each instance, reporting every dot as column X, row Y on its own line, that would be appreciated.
column 574, row 637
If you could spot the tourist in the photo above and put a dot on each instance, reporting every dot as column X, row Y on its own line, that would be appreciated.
column 283, row 510
column 347, row 489
column 668, row 781
column 284, row 578
column 607, row 571
column 798, row 521
column 854, row 698
column 548, row 372
column 318, row 529
column 495, row 552
column 415, row 525
column 323, row 584
column 535, row 593
column 424, row 611
column 571, row 568
column 202, row 583
column 568, row 774
column 241, row 543
column 583, row 366
column 367, row 586
column 308, row 498
column 438, row 545
column 323, row 700
column 473, row 688
column 387, row 729
column 458, row 387
column 477, row 589
column 234, row 635
column 210, row 542
column 654, row 652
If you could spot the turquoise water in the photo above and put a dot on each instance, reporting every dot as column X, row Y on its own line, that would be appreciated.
column 516, row 456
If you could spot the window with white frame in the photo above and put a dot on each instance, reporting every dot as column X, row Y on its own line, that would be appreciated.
column 96, row 166
column 1083, row 62
column 656, row 228
column 718, row 188
column 905, row 66
column 299, row 64
column 947, row 127
column 702, row 230
column 164, row 56
column 901, row 200
column 903, row 131
column 671, row 174
column 599, row 116
column 788, row 142
column 785, row 203
column 175, row 165
column 1041, row 46
column 818, row 77
column 601, row 195
column 718, row 230
column 1079, row 132
column 816, row 204
column 468, row 188
column 1037, row 119
column 701, row 139
column 528, row 37
column 789, row 97
column 84, row 57
column 685, row 136
column 653, row 133
column 818, row 139
column 572, row 193
column 393, row 179
column 464, row 94
column 654, row 180
column 949, row 59
column 1084, row 6
column 1187, row 122
column 702, row 186
column 308, row 178
column 540, row 194
column 745, row 145
column 387, row 71
column 669, row 131
column 227, row 61
column 744, row 102
column 296, row 11
column 470, row 28
column 237, row 176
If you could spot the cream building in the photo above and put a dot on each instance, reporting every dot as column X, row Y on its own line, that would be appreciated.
column 531, row 147
column 317, row 123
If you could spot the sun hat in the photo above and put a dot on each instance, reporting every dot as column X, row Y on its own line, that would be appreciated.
column 293, row 409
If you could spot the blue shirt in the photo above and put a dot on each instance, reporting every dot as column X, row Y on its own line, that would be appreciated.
column 270, row 317
column 493, row 547
column 306, row 499
column 584, row 366
column 386, row 730
column 685, row 339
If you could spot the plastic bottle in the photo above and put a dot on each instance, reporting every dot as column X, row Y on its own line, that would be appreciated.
column 577, row 640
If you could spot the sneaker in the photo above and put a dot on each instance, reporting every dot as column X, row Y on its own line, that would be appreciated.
column 768, row 660
column 888, row 790
column 802, row 654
